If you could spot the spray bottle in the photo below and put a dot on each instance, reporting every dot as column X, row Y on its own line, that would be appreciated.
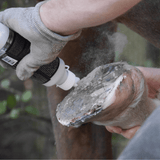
column 13, row 47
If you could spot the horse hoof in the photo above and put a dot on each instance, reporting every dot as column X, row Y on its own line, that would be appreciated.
column 111, row 94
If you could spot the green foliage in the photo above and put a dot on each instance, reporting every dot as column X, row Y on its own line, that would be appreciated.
column 32, row 110
column 11, row 101
column 14, row 113
column 5, row 83
column 3, row 107
column 4, row 5
column 17, row 97
column 148, row 63
column 26, row 96
column 1, row 70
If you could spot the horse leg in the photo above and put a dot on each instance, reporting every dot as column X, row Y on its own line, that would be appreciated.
column 144, row 19
column 93, row 48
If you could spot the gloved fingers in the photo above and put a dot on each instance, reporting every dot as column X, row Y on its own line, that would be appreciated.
column 12, row 18
column 26, row 67
column 27, row 22
column 21, row 20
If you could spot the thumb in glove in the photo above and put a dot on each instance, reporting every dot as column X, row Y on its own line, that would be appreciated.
column 45, row 44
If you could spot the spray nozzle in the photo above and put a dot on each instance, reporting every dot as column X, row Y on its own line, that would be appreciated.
column 71, row 80
column 63, row 78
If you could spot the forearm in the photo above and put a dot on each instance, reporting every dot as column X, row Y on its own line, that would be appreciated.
column 68, row 16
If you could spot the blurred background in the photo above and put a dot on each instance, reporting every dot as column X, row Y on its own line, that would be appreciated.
column 26, row 129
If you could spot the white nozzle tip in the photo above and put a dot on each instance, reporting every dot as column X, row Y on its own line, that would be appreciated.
column 70, row 82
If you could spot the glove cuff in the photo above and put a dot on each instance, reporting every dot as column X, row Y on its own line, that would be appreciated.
column 45, row 31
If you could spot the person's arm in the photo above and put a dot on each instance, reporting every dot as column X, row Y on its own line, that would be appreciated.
column 68, row 16
column 51, row 24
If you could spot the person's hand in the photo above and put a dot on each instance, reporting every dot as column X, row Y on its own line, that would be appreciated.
column 129, row 133
column 152, row 77
column 45, row 44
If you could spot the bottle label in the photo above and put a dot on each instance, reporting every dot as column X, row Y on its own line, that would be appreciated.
column 9, row 60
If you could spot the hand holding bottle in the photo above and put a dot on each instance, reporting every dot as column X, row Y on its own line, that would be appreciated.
column 45, row 44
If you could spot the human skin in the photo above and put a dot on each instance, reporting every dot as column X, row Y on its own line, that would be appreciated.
column 152, row 77
column 67, row 17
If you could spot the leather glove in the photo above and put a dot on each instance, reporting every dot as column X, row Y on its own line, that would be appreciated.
column 45, row 44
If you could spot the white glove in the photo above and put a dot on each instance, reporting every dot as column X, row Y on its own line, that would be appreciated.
column 45, row 44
